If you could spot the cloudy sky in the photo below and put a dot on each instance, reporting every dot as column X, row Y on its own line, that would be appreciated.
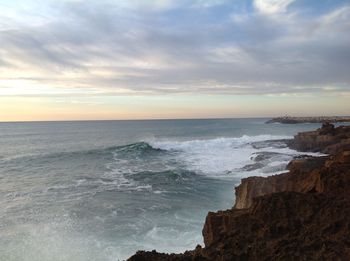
column 136, row 59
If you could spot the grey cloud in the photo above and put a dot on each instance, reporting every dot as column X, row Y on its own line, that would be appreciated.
column 271, row 54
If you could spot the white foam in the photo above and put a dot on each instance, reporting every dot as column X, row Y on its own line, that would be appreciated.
column 213, row 143
column 217, row 157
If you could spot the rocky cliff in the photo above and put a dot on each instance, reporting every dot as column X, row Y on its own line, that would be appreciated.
column 300, row 178
column 303, row 214
column 326, row 139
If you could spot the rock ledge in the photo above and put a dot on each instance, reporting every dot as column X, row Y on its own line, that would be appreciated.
column 303, row 214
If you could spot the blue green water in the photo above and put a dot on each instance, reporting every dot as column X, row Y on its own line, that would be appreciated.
column 101, row 190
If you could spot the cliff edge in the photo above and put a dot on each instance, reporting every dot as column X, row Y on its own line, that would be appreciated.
column 303, row 214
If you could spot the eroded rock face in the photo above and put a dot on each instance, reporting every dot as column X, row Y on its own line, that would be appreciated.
column 308, row 219
column 284, row 226
column 327, row 139
column 300, row 178
column 303, row 214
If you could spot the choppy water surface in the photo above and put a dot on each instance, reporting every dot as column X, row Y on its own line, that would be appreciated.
column 102, row 190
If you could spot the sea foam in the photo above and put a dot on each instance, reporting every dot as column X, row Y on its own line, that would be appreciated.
column 220, row 156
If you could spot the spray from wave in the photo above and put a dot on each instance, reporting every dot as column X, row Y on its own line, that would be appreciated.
column 144, row 196
column 221, row 157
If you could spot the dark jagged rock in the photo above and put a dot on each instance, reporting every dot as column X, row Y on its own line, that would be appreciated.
column 270, row 143
column 155, row 256
column 283, row 226
column 303, row 214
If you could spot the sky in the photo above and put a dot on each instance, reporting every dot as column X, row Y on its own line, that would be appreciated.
column 154, row 59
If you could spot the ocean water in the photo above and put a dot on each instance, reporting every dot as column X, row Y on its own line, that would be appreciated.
column 100, row 190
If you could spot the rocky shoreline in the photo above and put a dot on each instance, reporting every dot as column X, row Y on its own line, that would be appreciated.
column 321, row 119
column 303, row 214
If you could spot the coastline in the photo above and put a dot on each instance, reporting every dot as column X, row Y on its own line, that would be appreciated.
column 300, row 215
column 319, row 119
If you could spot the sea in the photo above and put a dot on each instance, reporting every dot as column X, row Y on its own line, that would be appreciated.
column 101, row 190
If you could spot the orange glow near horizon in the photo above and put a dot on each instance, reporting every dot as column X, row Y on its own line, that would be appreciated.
column 164, row 107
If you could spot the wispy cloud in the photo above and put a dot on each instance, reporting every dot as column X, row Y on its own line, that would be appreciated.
column 161, row 47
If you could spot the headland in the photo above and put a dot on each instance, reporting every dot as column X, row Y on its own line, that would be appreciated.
column 302, row 214
column 319, row 119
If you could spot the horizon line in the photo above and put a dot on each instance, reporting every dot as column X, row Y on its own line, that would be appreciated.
column 163, row 119
column 147, row 119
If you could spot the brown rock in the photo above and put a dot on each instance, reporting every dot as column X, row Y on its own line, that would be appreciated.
column 326, row 139
column 303, row 214
column 300, row 178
